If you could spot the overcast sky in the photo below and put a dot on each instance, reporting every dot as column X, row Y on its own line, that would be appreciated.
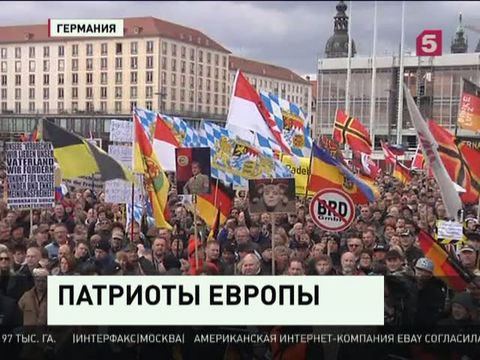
column 290, row 34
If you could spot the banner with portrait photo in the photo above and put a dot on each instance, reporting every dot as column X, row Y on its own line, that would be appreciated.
column 193, row 170
column 271, row 195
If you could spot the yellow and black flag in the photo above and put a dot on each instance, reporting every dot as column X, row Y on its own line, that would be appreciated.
column 78, row 157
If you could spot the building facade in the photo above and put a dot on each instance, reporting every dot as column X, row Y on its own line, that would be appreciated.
column 277, row 80
column 156, row 65
column 434, row 82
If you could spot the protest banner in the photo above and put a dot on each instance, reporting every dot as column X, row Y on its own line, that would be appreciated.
column 30, row 175
column 119, row 191
column 121, row 131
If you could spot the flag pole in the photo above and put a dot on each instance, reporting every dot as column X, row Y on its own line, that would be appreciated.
column 308, row 177
column 31, row 221
column 374, row 77
column 273, row 244
column 400, row 80
column 195, row 229
column 349, row 61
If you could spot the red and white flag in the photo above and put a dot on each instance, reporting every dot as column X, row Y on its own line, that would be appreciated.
column 418, row 162
column 248, row 113
column 164, row 144
column 389, row 155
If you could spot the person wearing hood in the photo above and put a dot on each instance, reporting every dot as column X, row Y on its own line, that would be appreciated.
column 463, row 311
column 104, row 262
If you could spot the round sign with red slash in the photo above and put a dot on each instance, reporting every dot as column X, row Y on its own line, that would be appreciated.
column 332, row 210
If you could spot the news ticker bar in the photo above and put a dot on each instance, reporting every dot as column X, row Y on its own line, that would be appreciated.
column 85, row 28
column 222, row 300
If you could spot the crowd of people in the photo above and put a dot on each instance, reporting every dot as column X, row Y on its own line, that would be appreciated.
column 84, row 235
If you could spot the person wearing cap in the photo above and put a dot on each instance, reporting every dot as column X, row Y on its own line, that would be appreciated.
column 410, row 251
column 468, row 258
column 139, row 265
column 463, row 311
column 395, row 263
column 33, row 303
column 104, row 261
column 431, row 294
column 379, row 252
column 116, row 242
column 266, row 260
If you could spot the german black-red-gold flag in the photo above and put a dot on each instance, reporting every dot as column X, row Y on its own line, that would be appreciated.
column 460, row 160
column 221, row 198
column 469, row 109
column 349, row 130
column 402, row 173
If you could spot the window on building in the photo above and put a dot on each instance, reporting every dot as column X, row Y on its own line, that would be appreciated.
column 18, row 66
column 89, row 78
column 133, row 77
column 190, row 96
column 18, row 53
column 31, row 65
column 149, row 62
column 149, row 47
column 61, row 65
column 173, row 94
column 183, row 52
column 134, row 48
column 174, row 65
column 4, row 80
column 174, row 50
column 75, row 64
column 118, row 78
column 46, row 93
column 61, row 51
column 46, row 79
column 148, row 92
column 60, row 93
column 200, row 55
column 200, row 84
column 164, row 48
column 74, row 93
column 133, row 63
column 18, row 94
column 191, row 82
column 200, row 70
column 118, row 48
column 148, row 105
column 216, row 73
column 133, row 105
column 46, row 51
column 182, row 81
column 60, row 106
column 133, row 92
column 192, row 54
column 103, row 106
column 46, row 65
column 209, row 57
column 104, row 49
column 103, row 63
column 74, row 50
column 215, row 87
column 3, row 53
column 31, row 52
column 60, row 79
column 174, row 80
column 118, row 63
column 75, row 78
column 164, row 78
column 209, row 71
column 224, row 101
column 217, row 61
column 18, row 80
column 4, row 66
column 18, row 107
column 149, row 77
column 208, row 85
column 118, row 92
column 182, row 95
column 89, row 49
column 103, row 92
column 103, row 78
column 74, row 106
column 89, row 64
column 164, row 63
column 89, row 106
column 4, row 94
column 46, row 107
column 31, row 106
column 4, row 106
column 118, row 107
column 31, row 80
column 89, row 92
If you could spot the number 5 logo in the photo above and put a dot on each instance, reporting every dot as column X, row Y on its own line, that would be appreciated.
column 429, row 43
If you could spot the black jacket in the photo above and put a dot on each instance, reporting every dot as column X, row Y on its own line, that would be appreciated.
column 430, row 303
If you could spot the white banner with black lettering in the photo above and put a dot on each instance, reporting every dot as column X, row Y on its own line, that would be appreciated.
column 120, row 191
column 215, row 300
column 30, row 168
column 121, row 131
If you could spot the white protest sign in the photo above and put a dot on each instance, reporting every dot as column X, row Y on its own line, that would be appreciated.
column 332, row 210
column 30, row 168
column 120, row 191
column 449, row 230
column 121, row 131
column 86, row 182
